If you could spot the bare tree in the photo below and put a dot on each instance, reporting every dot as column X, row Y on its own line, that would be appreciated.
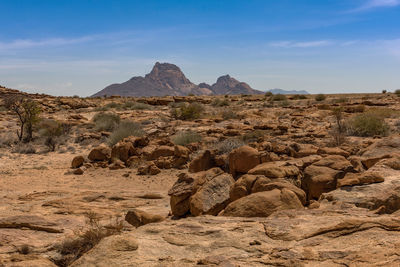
column 27, row 111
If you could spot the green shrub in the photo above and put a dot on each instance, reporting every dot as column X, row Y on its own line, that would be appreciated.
column 220, row 102
column 397, row 92
column 187, row 111
column 125, row 129
column 278, row 97
column 320, row 97
column 106, row 121
column 296, row 97
column 186, row 137
column 268, row 93
column 367, row 124
column 51, row 130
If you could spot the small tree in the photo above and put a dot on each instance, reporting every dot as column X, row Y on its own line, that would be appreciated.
column 27, row 111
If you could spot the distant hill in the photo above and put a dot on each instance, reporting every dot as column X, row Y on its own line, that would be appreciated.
column 168, row 79
column 288, row 92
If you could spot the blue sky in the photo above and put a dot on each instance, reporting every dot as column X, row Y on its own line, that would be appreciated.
column 80, row 46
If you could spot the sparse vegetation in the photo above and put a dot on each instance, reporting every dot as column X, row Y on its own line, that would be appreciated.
column 278, row 97
column 51, row 130
column 220, row 102
column 367, row 124
column 397, row 92
column 229, row 114
column 187, row 111
column 73, row 248
column 24, row 149
column 125, row 129
column 130, row 105
column 27, row 111
column 253, row 136
column 227, row 145
column 320, row 97
column 185, row 138
column 339, row 132
column 106, row 121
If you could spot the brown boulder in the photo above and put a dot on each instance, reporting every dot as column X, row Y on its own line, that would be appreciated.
column 161, row 151
column 276, row 169
column 203, row 162
column 333, row 151
column 243, row 186
column 138, row 217
column 319, row 179
column 263, row 204
column 243, row 159
column 148, row 168
column 77, row 162
column 265, row 184
column 335, row 162
column 360, row 179
column 186, row 186
column 100, row 153
column 212, row 197
column 122, row 151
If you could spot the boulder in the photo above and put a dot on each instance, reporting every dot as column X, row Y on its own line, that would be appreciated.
column 243, row 186
column 263, row 204
column 185, row 187
column 381, row 149
column 202, row 162
column 333, row 151
column 351, row 179
column 148, row 168
column 276, row 169
column 116, row 165
column 262, row 184
column 161, row 151
column 335, row 162
column 100, row 153
column 122, row 151
column 212, row 197
column 138, row 217
column 243, row 159
column 319, row 179
column 77, row 162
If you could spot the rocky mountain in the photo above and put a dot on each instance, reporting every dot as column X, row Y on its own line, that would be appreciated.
column 288, row 92
column 168, row 79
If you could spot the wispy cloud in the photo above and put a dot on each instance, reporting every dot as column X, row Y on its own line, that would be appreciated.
column 372, row 4
column 293, row 44
column 28, row 43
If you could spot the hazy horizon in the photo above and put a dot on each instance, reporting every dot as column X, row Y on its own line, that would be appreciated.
column 78, row 47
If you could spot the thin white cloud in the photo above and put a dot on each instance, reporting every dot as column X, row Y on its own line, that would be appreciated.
column 28, row 43
column 372, row 4
column 292, row 44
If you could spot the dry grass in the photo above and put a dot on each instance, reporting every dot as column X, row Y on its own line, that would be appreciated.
column 73, row 248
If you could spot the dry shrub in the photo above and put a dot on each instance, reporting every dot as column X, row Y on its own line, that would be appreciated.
column 185, row 138
column 131, row 105
column 278, row 97
column 51, row 130
column 187, row 111
column 320, row 97
column 24, row 149
column 253, row 136
column 73, row 248
column 229, row 114
column 367, row 124
column 106, row 121
column 125, row 129
column 227, row 145
column 220, row 102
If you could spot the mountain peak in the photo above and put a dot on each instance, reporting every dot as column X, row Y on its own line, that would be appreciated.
column 168, row 79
